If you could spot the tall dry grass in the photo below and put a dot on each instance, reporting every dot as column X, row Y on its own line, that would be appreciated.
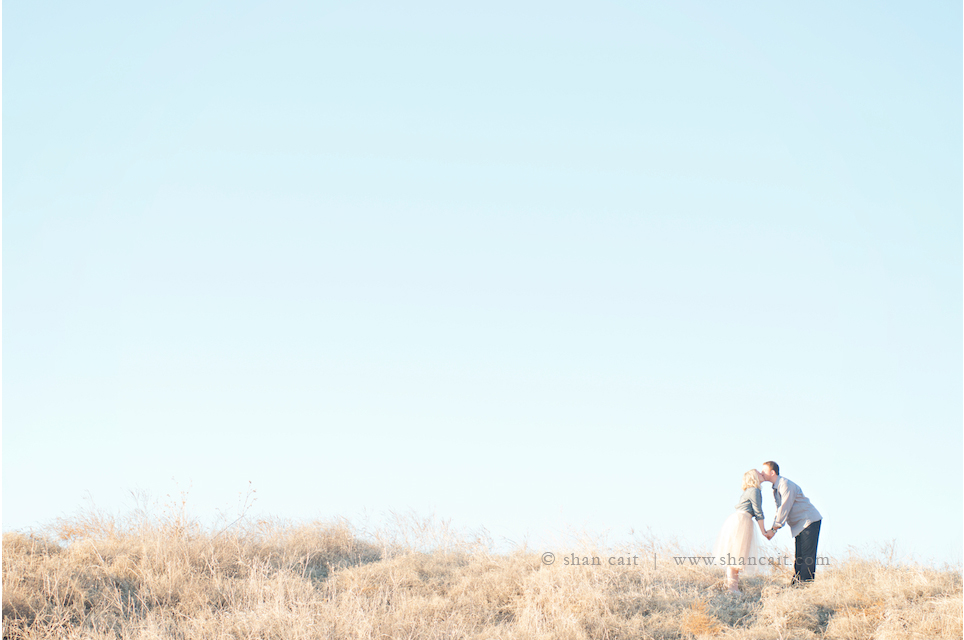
column 96, row 577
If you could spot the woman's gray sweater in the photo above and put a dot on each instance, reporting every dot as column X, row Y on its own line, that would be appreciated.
column 752, row 502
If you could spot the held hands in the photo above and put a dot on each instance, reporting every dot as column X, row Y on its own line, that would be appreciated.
column 769, row 533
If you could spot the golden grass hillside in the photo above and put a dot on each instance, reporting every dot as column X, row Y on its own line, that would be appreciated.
column 92, row 577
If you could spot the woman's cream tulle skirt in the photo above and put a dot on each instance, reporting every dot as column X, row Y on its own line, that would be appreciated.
column 738, row 540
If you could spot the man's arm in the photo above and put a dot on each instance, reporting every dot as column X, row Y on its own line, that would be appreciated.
column 787, row 495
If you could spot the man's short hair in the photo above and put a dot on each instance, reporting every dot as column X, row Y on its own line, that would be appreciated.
column 774, row 467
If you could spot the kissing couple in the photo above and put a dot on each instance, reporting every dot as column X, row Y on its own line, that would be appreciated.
column 738, row 546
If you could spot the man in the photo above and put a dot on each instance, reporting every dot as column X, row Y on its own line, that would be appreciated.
column 794, row 509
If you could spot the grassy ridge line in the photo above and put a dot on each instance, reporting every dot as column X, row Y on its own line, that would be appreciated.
column 91, row 577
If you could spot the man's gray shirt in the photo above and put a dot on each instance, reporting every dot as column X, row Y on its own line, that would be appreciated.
column 793, row 508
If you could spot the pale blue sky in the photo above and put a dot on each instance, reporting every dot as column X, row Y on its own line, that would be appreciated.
column 528, row 266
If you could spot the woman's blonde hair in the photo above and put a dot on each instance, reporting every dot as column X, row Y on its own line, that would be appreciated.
column 750, row 479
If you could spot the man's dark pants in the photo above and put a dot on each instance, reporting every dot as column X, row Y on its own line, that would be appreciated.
column 805, row 560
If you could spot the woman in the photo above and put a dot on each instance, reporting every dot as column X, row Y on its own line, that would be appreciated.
column 736, row 547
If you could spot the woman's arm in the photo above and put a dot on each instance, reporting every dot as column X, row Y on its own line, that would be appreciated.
column 756, row 503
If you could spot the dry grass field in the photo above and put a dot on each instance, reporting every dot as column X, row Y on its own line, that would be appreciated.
column 97, row 577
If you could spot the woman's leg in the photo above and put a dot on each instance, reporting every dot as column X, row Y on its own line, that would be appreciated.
column 733, row 579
